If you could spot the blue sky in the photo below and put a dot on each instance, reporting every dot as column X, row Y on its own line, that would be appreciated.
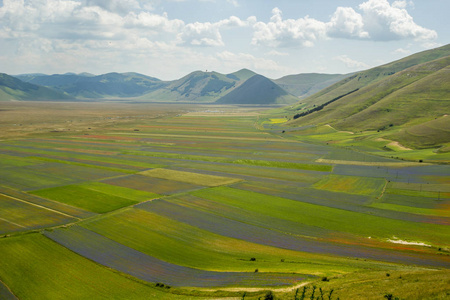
column 169, row 39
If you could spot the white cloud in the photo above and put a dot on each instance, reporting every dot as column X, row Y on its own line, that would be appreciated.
column 402, row 51
column 285, row 33
column 153, row 21
column 118, row 6
column 201, row 34
column 379, row 21
column 208, row 34
column 346, row 23
column 385, row 22
column 351, row 63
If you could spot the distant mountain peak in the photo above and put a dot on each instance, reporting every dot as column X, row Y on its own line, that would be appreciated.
column 257, row 90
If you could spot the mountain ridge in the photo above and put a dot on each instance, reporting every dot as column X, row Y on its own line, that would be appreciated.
column 197, row 86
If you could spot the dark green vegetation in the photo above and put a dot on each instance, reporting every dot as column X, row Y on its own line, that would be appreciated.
column 241, row 87
column 406, row 101
column 152, row 201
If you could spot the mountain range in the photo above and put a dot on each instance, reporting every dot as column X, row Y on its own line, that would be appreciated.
column 412, row 93
column 201, row 87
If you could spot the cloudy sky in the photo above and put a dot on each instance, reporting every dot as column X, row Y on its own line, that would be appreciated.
column 169, row 38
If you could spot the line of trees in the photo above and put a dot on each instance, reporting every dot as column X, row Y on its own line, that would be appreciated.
column 320, row 107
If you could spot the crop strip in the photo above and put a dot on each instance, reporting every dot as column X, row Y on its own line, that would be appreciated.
column 40, row 206
column 210, row 137
column 368, row 163
column 15, row 224
column 124, row 259
column 6, row 293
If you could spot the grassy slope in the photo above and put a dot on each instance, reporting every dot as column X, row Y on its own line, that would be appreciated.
column 303, row 85
column 373, row 75
column 404, row 101
column 416, row 92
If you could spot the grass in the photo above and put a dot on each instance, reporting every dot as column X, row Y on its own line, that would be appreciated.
column 189, row 177
column 352, row 184
column 152, row 184
column 414, row 210
column 95, row 197
column 325, row 217
column 284, row 165
column 279, row 197
column 34, row 267
column 19, row 215
column 403, row 284
column 186, row 245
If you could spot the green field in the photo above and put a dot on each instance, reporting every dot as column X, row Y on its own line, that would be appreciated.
column 96, row 197
column 189, row 177
column 54, row 272
column 219, row 197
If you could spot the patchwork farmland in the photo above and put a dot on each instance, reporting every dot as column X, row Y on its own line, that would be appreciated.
column 158, row 202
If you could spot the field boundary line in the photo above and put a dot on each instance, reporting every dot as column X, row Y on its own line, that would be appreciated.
column 368, row 163
column 207, row 137
column 258, row 289
column 8, row 289
column 40, row 206
column 12, row 223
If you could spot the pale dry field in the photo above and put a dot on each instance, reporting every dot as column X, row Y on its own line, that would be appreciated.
column 20, row 119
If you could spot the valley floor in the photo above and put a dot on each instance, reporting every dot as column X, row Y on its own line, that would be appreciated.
column 166, row 201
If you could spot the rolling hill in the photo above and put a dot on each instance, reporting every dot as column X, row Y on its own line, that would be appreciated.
column 12, row 88
column 86, row 85
column 405, row 93
column 257, row 90
column 307, row 84
column 198, row 86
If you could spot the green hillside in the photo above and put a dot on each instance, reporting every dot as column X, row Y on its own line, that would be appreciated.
column 257, row 90
column 303, row 85
column 373, row 75
column 387, row 99
column 14, row 89
column 197, row 86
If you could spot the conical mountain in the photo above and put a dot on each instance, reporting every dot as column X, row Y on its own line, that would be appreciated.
column 257, row 90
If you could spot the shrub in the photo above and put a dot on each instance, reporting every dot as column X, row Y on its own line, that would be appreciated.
column 269, row 296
